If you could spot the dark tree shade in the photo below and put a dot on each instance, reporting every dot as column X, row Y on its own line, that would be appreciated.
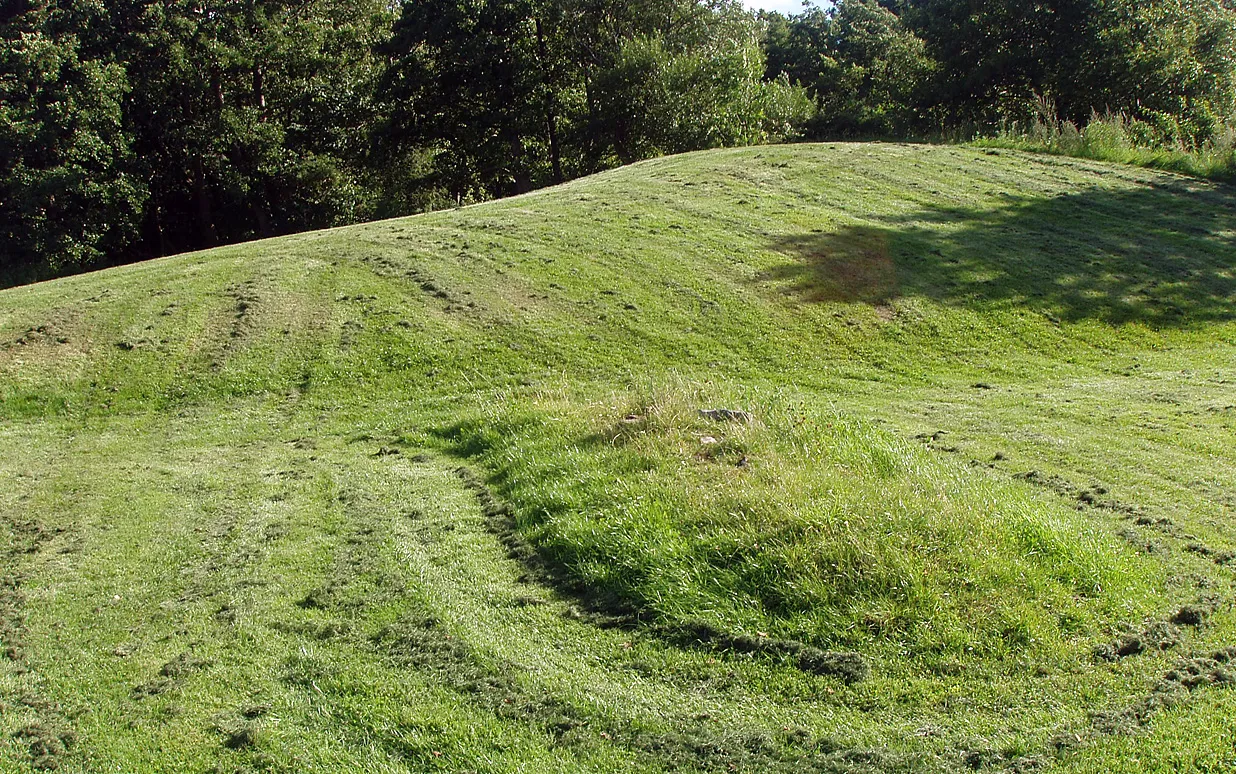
column 514, row 94
column 67, row 199
column 471, row 77
column 1169, row 61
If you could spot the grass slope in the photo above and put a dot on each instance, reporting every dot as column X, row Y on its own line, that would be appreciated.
column 435, row 493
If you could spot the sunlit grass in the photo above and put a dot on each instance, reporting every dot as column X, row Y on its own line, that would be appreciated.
column 988, row 432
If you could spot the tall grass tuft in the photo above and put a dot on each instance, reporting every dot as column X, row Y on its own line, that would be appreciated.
column 1118, row 137
column 802, row 524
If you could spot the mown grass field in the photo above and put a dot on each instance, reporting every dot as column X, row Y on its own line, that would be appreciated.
column 435, row 493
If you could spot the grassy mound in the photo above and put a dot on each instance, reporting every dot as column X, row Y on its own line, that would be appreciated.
column 972, row 509
column 803, row 524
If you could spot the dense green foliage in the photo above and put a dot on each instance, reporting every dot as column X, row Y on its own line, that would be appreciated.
column 248, row 119
column 140, row 128
column 67, row 193
column 905, row 66
column 515, row 95
column 866, row 68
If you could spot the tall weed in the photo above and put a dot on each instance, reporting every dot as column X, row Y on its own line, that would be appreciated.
column 1120, row 138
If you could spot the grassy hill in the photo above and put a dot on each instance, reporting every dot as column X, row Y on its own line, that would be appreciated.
column 436, row 493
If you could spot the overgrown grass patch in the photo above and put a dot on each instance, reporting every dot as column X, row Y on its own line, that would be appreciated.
column 801, row 523
column 1118, row 138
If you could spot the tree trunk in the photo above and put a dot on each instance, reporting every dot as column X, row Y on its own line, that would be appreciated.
column 259, row 93
column 207, row 235
column 216, row 85
column 551, row 117
column 523, row 183
column 156, row 208
column 263, row 221
column 262, row 208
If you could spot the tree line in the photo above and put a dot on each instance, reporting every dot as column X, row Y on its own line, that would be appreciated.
column 136, row 128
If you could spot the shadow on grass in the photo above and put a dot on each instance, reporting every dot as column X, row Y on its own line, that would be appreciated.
column 1163, row 256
